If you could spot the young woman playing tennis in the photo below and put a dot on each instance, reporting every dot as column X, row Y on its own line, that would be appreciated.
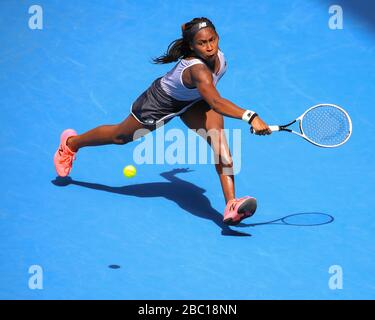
column 188, row 90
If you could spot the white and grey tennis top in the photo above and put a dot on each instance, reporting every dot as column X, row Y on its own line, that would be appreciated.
column 173, row 85
column 168, row 96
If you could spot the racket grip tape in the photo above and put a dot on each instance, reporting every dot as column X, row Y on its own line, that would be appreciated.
column 273, row 128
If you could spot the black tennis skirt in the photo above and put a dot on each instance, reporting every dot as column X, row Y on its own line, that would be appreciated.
column 154, row 105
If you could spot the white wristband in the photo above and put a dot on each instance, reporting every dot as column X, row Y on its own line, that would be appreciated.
column 248, row 116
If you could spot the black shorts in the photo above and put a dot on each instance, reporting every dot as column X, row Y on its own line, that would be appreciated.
column 155, row 105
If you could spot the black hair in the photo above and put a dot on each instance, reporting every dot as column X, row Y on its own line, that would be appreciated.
column 180, row 48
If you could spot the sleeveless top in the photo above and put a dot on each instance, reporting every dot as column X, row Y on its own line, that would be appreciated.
column 168, row 96
column 173, row 85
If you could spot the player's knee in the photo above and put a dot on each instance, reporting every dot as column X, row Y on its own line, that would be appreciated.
column 222, row 155
column 120, row 137
column 226, row 161
column 123, row 135
column 224, row 168
column 223, row 161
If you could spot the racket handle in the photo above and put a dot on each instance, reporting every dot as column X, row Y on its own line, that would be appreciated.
column 274, row 128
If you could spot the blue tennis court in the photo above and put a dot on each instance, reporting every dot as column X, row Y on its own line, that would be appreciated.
column 160, row 235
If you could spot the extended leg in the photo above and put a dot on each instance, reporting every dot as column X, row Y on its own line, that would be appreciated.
column 121, row 133
column 70, row 142
column 201, row 116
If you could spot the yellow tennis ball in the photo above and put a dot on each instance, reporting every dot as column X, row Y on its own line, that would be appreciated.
column 130, row 171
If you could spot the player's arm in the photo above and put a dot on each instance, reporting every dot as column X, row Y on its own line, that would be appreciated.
column 202, row 79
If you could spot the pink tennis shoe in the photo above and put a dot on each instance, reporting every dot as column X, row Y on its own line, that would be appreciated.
column 64, row 157
column 239, row 209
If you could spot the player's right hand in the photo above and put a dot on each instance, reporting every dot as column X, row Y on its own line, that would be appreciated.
column 259, row 127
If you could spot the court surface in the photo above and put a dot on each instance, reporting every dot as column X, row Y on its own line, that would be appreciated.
column 160, row 234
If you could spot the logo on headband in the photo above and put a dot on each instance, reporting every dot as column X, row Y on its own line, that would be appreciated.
column 202, row 25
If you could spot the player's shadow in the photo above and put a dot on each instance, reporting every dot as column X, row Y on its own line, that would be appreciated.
column 186, row 195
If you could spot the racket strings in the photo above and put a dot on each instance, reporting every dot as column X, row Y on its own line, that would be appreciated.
column 326, row 125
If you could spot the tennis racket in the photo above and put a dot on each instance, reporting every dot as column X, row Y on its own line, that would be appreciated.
column 323, row 125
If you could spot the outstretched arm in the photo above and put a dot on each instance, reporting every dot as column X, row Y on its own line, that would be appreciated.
column 202, row 79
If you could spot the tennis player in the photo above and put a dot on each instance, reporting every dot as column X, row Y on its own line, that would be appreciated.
column 188, row 91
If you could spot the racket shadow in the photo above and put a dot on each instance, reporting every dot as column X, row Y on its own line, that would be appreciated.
column 186, row 195
column 301, row 219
